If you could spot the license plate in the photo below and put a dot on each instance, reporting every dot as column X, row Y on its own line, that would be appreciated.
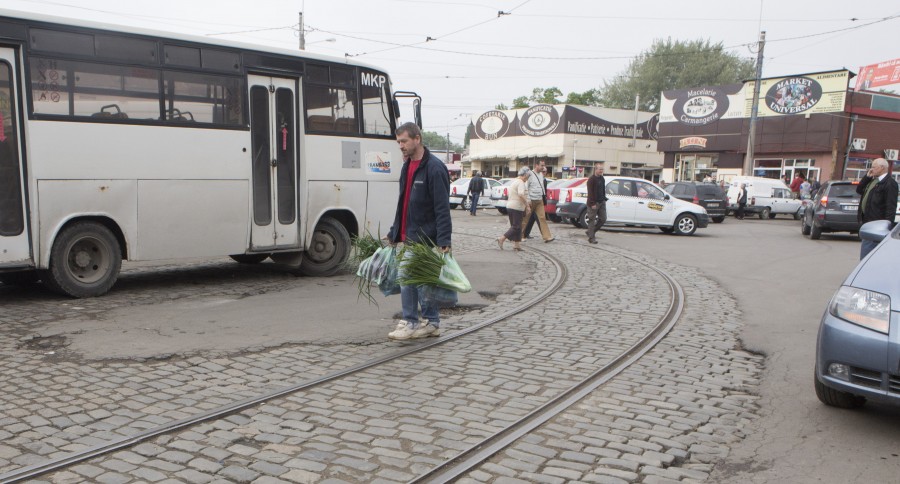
column 849, row 207
column 712, row 205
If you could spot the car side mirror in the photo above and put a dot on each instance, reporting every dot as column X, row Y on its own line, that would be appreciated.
column 666, row 196
column 875, row 231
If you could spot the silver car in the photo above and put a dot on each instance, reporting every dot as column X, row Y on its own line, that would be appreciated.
column 858, row 348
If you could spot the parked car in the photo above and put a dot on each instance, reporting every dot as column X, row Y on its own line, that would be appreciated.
column 857, row 349
column 833, row 209
column 459, row 193
column 556, row 190
column 766, row 197
column 500, row 194
column 708, row 195
column 636, row 202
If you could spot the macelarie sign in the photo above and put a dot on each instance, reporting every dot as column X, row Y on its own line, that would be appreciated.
column 703, row 105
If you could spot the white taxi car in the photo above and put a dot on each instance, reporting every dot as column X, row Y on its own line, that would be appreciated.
column 500, row 194
column 637, row 202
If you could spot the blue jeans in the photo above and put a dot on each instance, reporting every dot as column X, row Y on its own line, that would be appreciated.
column 411, row 298
column 474, row 197
column 866, row 247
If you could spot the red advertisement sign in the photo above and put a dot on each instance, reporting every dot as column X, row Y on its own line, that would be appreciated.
column 884, row 76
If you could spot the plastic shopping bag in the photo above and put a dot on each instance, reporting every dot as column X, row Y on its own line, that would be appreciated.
column 452, row 276
column 440, row 296
column 389, row 284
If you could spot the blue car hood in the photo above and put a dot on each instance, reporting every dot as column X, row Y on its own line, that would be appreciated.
column 879, row 272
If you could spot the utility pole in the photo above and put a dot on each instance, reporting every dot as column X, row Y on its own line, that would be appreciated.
column 448, row 148
column 637, row 102
column 302, row 33
column 754, row 110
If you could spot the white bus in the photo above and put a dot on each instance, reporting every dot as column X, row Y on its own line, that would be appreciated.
column 120, row 143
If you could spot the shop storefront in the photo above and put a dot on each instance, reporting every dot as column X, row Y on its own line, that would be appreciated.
column 567, row 139
column 704, row 132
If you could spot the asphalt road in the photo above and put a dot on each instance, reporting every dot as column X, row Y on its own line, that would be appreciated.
column 783, row 282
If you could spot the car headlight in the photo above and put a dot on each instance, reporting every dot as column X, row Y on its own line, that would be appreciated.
column 866, row 308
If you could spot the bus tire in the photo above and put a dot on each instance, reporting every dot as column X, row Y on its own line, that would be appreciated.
column 328, row 250
column 249, row 258
column 84, row 261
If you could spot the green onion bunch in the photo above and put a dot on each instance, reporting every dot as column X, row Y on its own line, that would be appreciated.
column 423, row 265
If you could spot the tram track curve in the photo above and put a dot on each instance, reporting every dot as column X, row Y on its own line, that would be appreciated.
column 456, row 466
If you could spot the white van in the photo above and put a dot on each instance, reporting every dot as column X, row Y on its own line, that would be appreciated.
column 767, row 197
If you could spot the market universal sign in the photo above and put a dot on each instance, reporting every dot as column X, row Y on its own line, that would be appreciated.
column 692, row 142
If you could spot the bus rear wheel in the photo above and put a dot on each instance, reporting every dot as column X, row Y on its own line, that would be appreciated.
column 328, row 250
column 84, row 261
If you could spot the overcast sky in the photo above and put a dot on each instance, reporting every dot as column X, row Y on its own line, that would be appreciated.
column 479, row 57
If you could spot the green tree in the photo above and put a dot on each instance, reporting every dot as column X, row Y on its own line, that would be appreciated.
column 437, row 141
column 520, row 102
column 548, row 95
column 669, row 64
column 586, row 98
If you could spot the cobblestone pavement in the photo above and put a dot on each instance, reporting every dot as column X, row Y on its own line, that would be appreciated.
column 52, row 403
column 667, row 418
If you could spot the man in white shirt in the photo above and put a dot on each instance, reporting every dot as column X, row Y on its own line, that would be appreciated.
column 536, row 193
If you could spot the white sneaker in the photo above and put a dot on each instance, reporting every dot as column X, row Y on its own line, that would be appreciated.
column 426, row 330
column 404, row 330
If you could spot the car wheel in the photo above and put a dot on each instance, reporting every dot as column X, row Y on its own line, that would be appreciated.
column 501, row 210
column 815, row 232
column 467, row 204
column 718, row 220
column 582, row 220
column 249, row 258
column 666, row 230
column 328, row 250
column 84, row 261
column 765, row 214
column 836, row 398
column 804, row 229
column 686, row 224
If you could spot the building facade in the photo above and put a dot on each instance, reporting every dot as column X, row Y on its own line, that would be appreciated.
column 568, row 139
column 810, row 124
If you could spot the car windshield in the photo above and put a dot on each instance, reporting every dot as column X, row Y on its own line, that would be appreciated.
column 843, row 191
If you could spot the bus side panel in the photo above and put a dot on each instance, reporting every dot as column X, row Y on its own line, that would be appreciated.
column 192, row 218
column 63, row 200
column 72, row 150
column 334, row 195
column 381, row 207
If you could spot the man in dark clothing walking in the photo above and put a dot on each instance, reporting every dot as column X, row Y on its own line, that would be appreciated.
column 879, row 199
column 423, row 216
column 741, row 202
column 476, row 186
column 596, row 202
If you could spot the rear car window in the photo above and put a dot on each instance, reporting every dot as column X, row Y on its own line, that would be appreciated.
column 843, row 191
column 710, row 192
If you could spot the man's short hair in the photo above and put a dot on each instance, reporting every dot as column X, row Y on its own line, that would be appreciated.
column 880, row 162
column 411, row 129
column 524, row 170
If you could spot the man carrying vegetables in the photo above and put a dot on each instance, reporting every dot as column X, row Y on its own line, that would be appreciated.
column 423, row 216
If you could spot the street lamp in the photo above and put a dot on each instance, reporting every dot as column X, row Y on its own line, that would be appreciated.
column 574, row 157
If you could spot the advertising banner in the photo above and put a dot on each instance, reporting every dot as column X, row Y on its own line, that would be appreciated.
column 823, row 92
column 884, row 76
column 703, row 105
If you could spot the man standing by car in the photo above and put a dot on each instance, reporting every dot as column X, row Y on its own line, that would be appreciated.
column 537, row 192
column 423, row 216
column 879, row 199
column 596, row 202
column 476, row 186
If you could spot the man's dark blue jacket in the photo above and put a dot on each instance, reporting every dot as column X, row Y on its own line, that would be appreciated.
column 428, row 214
